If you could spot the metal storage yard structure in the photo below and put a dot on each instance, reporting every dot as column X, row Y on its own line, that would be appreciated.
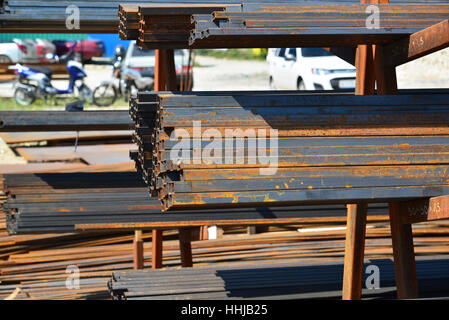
column 403, row 164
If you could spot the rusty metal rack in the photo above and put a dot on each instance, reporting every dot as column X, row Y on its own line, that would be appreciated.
column 411, row 176
column 375, row 53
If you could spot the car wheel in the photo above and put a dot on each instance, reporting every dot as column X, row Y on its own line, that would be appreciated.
column 301, row 85
column 272, row 86
column 5, row 59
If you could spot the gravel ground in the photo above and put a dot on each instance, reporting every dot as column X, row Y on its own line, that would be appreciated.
column 218, row 74
column 431, row 71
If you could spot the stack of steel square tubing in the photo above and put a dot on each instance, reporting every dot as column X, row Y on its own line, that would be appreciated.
column 336, row 147
column 267, row 279
column 59, row 16
column 94, row 16
column 26, row 121
column 272, row 24
column 101, row 17
column 59, row 202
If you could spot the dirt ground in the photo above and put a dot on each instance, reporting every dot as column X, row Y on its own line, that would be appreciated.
column 218, row 74
column 431, row 71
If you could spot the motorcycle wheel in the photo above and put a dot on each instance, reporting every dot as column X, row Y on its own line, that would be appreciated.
column 24, row 96
column 104, row 95
column 85, row 93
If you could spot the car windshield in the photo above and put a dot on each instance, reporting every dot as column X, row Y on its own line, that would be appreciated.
column 315, row 52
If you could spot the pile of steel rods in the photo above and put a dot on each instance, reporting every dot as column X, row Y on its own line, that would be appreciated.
column 248, row 24
column 101, row 16
column 52, row 16
column 128, row 22
column 39, row 203
column 325, row 147
column 269, row 280
column 37, row 263
column 94, row 16
column 22, row 121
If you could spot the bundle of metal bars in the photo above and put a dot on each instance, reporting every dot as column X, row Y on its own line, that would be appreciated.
column 22, row 121
column 61, row 16
column 291, row 24
column 41, row 203
column 128, row 22
column 269, row 280
column 35, row 266
column 97, row 16
column 328, row 148
column 37, row 263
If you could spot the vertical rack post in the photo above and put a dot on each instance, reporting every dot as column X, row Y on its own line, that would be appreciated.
column 138, row 250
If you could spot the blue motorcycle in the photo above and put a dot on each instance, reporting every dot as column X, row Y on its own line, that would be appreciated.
column 35, row 82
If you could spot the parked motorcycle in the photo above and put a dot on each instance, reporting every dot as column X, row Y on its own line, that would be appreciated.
column 35, row 82
column 129, row 81
column 133, row 81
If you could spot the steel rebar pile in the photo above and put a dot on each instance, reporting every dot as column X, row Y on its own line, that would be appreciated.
column 252, row 25
column 42, row 203
column 128, row 22
column 101, row 16
column 328, row 147
column 23, row 121
column 52, row 16
column 269, row 280
column 37, row 16
column 37, row 263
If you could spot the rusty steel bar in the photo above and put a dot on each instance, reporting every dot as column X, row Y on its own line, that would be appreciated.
column 157, row 242
column 138, row 251
column 22, row 121
column 404, row 254
column 354, row 251
column 436, row 208
column 185, row 238
column 417, row 45
column 282, row 280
